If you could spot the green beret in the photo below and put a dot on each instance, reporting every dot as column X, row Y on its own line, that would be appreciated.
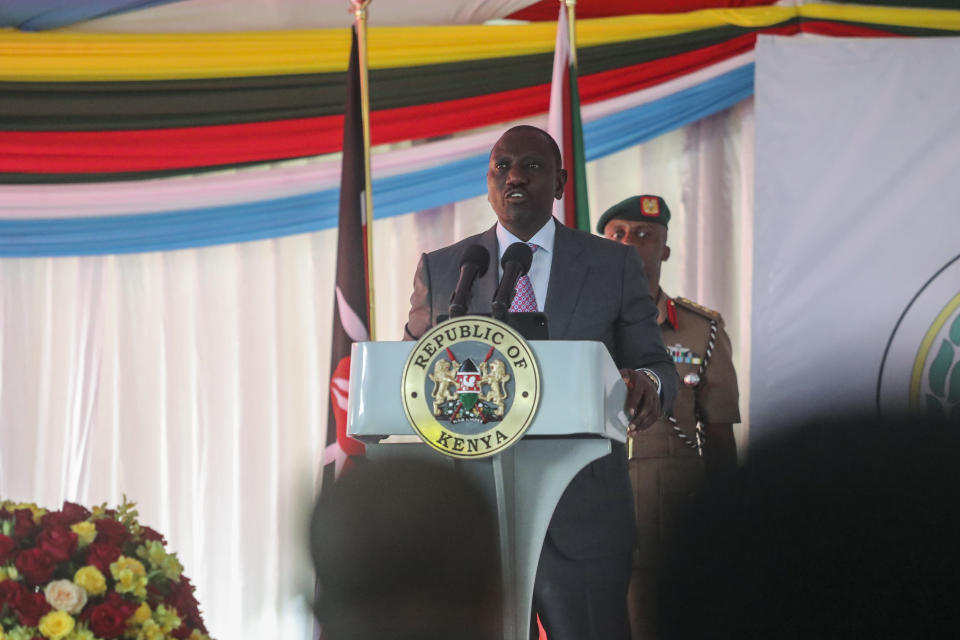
column 645, row 207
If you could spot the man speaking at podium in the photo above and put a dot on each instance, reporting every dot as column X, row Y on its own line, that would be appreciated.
column 590, row 289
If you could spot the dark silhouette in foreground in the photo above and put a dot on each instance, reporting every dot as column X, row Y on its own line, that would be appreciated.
column 406, row 550
column 846, row 528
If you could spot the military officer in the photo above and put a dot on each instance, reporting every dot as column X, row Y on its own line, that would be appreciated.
column 670, row 461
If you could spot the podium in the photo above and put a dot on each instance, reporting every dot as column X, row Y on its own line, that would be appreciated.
column 579, row 413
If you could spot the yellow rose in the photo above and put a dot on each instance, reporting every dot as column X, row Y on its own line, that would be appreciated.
column 56, row 624
column 86, row 532
column 91, row 579
column 141, row 615
column 123, row 563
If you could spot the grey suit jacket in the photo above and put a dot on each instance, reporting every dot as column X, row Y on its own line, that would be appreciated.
column 597, row 291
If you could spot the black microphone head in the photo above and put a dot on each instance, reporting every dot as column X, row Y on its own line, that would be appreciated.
column 476, row 255
column 518, row 252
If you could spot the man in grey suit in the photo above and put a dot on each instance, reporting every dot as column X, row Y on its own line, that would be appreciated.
column 590, row 289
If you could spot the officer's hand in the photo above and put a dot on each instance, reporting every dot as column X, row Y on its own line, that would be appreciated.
column 643, row 401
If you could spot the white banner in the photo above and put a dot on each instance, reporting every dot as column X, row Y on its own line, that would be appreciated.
column 856, row 228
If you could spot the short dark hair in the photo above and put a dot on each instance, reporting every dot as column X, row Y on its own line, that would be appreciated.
column 553, row 143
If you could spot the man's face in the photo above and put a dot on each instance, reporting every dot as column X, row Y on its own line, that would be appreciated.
column 648, row 238
column 523, row 180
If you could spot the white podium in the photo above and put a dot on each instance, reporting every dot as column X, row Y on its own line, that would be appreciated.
column 580, row 411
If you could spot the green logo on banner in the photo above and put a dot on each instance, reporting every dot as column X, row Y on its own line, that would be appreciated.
column 921, row 366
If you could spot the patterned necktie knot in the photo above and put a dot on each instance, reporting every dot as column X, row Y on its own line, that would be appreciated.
column 524, row 300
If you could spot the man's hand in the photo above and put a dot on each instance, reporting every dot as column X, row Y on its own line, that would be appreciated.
column 643, row 401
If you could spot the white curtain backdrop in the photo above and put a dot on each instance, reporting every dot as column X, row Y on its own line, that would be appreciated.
column 195, row 382
column 854, row 223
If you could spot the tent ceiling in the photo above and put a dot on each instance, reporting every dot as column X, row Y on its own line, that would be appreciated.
column 257, row 15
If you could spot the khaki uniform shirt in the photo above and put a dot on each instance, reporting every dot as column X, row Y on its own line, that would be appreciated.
column 700, row 347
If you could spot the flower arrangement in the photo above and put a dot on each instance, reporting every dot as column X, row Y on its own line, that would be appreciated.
column 76, row 574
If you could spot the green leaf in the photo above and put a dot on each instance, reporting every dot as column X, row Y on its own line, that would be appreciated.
column 955, row 331
column 953, row 393
column 939, row 368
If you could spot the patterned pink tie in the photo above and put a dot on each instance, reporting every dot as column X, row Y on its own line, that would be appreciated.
column 525, row 300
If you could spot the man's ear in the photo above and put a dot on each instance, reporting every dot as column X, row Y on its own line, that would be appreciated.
column 666, row 253
column 561, row 182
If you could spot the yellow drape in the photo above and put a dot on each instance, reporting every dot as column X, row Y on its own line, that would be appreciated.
column 52, row 57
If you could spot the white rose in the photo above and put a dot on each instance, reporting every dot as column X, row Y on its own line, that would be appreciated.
column 63, row 595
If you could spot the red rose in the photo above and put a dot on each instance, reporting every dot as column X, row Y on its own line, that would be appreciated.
column 59, row 542
column 30, row 607
column 111, row 532
column 9, row 592
column 23, row 523
column 36, row 565
column 109, row 619
column 107, row 622
column 181, row 598
column 70, row 514
column 7, row 547
column 150, row 534
column 101, row 555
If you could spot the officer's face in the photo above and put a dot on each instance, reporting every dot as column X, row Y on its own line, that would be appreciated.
column 523, row 180
column 648, row 238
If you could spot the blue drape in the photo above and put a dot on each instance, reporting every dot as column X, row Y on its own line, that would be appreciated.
column 37, row 15
column 392, row 196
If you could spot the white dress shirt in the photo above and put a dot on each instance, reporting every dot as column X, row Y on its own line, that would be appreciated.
column 539, row 273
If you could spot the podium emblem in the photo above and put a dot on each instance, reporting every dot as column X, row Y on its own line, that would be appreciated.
column 471, row 387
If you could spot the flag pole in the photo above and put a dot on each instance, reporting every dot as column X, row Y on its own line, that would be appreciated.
column 360, row 21
column 572, row 28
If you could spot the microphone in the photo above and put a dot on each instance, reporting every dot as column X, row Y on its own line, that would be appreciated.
column 473, row 265
column 515, row 262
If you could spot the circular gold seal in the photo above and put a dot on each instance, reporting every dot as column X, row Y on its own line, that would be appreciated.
column 471, row 387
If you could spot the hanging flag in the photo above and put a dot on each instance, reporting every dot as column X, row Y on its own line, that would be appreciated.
column 566, row 127
column 350, row 313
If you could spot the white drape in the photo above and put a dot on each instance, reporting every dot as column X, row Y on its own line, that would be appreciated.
column 195, row 381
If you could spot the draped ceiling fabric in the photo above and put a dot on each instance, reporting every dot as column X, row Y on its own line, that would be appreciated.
column 87, row 107
column 245, row 15
column 36, row 15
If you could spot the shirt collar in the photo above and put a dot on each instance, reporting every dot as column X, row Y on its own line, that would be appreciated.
column 667, row 310
column 542, row 238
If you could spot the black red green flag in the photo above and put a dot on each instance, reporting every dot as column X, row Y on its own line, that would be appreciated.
column 351, row 319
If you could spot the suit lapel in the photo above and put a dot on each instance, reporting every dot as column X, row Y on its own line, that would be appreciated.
column 481, row 296
column 567, row 275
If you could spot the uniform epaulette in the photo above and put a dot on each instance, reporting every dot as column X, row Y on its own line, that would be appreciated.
column 698, row 308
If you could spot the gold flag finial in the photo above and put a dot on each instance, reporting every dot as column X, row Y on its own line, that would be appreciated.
column 360, row 8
